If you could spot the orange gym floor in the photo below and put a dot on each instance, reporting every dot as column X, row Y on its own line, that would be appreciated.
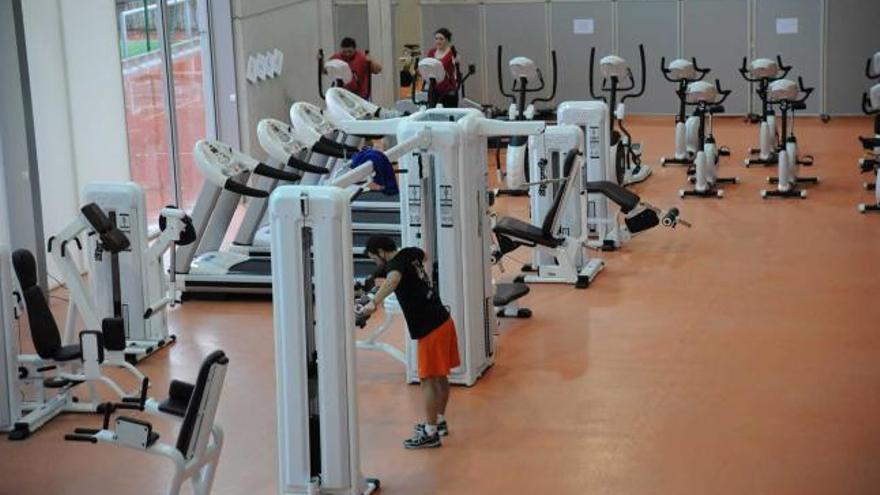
column 739, row 356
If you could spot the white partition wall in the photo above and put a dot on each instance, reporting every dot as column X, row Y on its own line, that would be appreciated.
column 296, row 27
column 792, row 28
column 712, row 31
column 655, row 24
column 521, row 28
column 574, row 28
column 350, row 19
column 853, row 35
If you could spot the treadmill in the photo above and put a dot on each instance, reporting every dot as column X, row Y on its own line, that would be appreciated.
column 315, row 146
column 202, row 268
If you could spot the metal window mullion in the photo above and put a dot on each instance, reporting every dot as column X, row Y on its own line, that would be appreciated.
column 171, row 111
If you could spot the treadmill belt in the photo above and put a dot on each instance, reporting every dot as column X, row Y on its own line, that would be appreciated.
column 377, row 197
column 253, row 266
column 375, row 216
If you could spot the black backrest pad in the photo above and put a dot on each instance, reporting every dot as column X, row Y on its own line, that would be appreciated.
column 44, row 331
column 567, row 170
column 113, row 330
column 96, row 218
column 112, row 239
column 187, row 428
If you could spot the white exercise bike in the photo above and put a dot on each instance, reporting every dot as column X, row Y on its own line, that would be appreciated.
column 788, row 96
column 709, row 100
column 683, row 72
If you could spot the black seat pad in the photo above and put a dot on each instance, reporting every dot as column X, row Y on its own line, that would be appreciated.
column 626, row 199
column 179, row 395
column 68, row 353
column 507, row 293
column 173, row 407
column 523, row 230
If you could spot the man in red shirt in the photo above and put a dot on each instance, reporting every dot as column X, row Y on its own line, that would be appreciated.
column 362, row 67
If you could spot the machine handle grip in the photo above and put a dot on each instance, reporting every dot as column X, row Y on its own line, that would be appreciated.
column 554, row 68
column 274, row 173
column 744, row 70
column 321, row 73
column 664, row 70
column 297, row 164
column 244, row 190
column 80, row 438
column 592, row 69
column 500, row 53
column 784, row 68
column 723, row 92
column 702, row 70
column 643, row 78
column 868, row 73
column 806, row 91
column 866, row 105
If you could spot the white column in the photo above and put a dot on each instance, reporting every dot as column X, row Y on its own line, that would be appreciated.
column 382, row 50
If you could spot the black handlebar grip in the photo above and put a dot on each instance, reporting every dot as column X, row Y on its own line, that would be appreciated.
column 297, row 164
column 274, row 173
column 244, row 190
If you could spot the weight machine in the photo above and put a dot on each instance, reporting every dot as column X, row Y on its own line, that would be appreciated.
column 127, row 279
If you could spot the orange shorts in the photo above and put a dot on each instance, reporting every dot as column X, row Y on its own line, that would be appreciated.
column 438, row 351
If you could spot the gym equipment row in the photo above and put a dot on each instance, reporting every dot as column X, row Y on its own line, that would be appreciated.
column 871, row 145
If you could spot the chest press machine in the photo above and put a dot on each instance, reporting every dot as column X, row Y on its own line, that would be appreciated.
column 126, row 279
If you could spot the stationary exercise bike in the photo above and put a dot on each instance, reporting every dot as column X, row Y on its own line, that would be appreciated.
column 683, row 72
column 619, row 83
column 764, row 72
column 871, row 161
column 709, row 100
column 527, row 78
column 339, row 73
column 788, row 96
column 432, row 72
